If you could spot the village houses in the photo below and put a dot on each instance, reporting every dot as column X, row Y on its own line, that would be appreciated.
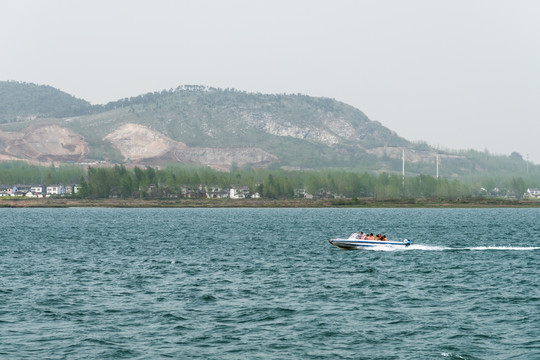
column 153, row 190
column 38, row 190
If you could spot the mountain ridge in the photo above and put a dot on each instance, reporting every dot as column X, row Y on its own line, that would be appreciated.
column 189, row 123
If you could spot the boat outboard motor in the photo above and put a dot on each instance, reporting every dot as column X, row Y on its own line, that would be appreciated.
column 406, row 242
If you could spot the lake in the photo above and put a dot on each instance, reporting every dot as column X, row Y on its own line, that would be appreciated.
column 265, row 283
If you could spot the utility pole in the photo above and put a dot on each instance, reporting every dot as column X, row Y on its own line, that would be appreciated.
column 403, row 167
column 437, row 162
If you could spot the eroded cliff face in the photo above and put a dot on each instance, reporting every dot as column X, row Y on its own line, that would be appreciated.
column 266, row 123
column 411, row 156
column 137, row 142
column 45, row 143
column 224, row 157
column 320, row 127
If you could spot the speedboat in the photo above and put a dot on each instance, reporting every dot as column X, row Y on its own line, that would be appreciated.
column 354, row 242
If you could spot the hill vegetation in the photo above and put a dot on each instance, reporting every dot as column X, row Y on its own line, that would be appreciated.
column 23, row 101
column 226, row 128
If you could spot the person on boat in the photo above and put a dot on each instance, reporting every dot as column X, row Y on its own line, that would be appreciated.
column 370, row 236
column 384, row 238
column 359, row 235
column 363, row 236
column 378, row 237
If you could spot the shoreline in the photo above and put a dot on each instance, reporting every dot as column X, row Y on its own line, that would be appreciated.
column 267, row 203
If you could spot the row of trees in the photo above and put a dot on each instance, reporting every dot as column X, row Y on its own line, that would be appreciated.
column 20, row 172
column 172, row 181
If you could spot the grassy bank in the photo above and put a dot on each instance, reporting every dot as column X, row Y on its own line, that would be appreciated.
column 267, row 203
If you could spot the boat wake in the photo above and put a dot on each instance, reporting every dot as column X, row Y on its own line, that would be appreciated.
column 473, row 248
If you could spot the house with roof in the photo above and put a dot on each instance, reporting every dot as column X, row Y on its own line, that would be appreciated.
column 7, row 190
column 71, row 189
column 38, row 189
column 239, row 192
column 215, row 192
column 533, row 193
column 23, row 188
column 56, row 189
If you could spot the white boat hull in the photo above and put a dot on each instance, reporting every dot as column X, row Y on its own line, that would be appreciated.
column 358, row 244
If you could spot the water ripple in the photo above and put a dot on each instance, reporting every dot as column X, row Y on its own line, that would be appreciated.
column 265, row 283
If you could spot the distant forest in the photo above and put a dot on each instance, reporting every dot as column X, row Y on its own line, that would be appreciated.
column 20, row 100
column 172, row 181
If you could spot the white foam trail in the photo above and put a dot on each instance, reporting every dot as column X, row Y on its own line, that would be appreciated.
column 444, row 354
column 513, row 248
column 474, row 248
column 428, row 247
column 446, row 248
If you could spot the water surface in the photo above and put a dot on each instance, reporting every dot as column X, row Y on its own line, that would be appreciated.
column 265, row 283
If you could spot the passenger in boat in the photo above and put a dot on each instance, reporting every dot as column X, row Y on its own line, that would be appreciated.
column 363, row 236
column 384, row 238
column 371, row 236
column 359, row 235
column 378, row 237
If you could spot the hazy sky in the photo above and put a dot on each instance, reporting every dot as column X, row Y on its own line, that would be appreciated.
column 460, row 74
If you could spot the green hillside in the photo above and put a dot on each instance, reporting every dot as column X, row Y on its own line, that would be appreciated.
column 20, row 101
column 228, row 118
column 303, row 132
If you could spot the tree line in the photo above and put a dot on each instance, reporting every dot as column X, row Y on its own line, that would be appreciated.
column 174, row 180
column 20, row 172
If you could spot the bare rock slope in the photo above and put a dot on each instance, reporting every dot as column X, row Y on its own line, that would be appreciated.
column 46, row 143
column 138, row 143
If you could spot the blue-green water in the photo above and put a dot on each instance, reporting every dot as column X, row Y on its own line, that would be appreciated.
column 265, row 283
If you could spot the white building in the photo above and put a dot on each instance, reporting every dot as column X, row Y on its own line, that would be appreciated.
column 533, row 192
column 239, row 192
column 56, row 190
column 37, row 189
column 71, row 189
column 7, row 190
